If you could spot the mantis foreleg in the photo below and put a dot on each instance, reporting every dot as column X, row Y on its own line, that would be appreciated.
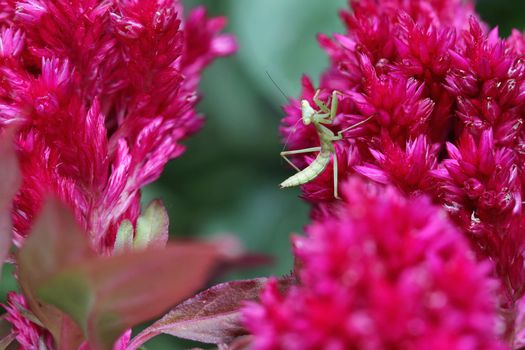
column 333, row 106
column 298, row 151
column 332, row 111
column 322, row 106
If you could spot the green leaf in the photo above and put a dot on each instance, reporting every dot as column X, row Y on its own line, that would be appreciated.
column 71, row 292
column 124, row 240
column 152, row 227
column 121, row 291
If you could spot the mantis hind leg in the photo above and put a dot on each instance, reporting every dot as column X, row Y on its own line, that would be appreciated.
column 341, row 132
column 336, row 175
column 298, row 151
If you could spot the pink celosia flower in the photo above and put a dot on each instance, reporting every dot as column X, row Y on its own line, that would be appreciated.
column 103, row 92
column 446, row 98
column 481, row 180
column 433, row 79
column 391, row 66
column 382, row 272
column 489, row 82
column 408, row 168
column 29, row 335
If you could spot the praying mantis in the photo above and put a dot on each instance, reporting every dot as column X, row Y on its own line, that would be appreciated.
column 320, row 118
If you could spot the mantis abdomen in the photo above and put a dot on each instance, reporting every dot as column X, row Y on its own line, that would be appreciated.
column 310, row 172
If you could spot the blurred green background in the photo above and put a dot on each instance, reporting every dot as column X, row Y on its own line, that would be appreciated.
column 227, row 181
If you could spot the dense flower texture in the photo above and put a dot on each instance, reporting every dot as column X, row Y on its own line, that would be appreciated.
column 392, row 66
column 384, row 272
column 446, row 98
column 28, row 334
column 102, row 93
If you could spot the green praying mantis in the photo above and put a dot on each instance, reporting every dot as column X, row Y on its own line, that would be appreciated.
column 320, row 118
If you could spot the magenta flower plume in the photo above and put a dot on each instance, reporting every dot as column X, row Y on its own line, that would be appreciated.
column 28, row 334
column 481, row 180
column 383, row 272
column 487, row 78
column 391, row 66
column 441, row 99
column 408, row 168
column 103, row 93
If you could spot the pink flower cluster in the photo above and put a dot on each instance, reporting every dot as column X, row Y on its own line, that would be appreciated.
column 101, row 93
column 393, row 65
column 445, row 98
column 383, row 272
column 28, row 334
column 440, row 98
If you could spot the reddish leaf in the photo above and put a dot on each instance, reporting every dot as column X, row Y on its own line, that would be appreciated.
column 6, row 335
column 7, row 340
column 9, row 183
column 55, row 242
column 105, row 295
column 212, row 316
column 241, row 343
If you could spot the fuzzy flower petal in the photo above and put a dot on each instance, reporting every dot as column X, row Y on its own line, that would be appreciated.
column 383, row 272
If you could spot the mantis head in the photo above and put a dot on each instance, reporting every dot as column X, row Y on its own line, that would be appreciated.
column 307, row 112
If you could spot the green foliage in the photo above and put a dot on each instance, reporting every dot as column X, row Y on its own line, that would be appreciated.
column 506, row 14
column 124, row 239
column 152, row 230
column 70, row 291
column 152, row 227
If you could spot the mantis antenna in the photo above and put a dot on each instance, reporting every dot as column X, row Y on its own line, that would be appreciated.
column 287, row 99
column 277, row 86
